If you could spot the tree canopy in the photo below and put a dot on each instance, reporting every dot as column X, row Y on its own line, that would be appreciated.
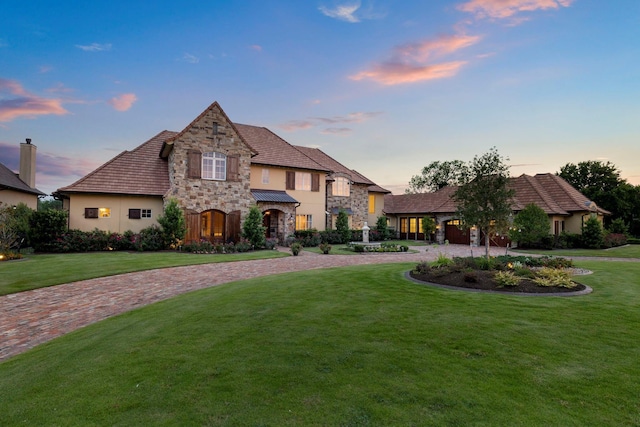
column 485, row 200
column 601, row 183
column 437, row 175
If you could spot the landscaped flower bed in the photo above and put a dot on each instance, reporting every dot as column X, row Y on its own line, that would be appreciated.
column 542, row 275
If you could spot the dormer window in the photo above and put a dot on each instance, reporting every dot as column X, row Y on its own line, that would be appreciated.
column 214, row 166
column 341, row 187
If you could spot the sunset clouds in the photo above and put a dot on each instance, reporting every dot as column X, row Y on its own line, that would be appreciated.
column 16, row 102
column 123, row 102
column 498, row 9
column 94, row 47
column 351, row 11
column 415, row 62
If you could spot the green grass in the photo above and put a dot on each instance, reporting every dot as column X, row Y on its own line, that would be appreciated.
column 38, row 271
column 344, row 347
column 629, row 251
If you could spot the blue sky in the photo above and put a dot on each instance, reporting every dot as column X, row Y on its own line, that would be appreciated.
column 385, row 86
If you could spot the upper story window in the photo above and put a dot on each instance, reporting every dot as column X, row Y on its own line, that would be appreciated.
column 265, row 176
column 303, row 181
column 341, row 187
column 372, row 204
column 214, row 166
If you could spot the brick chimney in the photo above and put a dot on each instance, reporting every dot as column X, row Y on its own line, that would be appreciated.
column 28, row 163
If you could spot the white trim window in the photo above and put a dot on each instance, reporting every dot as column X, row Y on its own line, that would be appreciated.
column 341, row 187
column 214, row 166
column 304, row 222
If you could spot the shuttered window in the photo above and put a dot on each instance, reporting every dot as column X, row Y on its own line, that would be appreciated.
column 233, row 168
column 194, row 163
column 315, row 182
column 91, row 212
column 291, row 180
column 135, row 213
column 214, row 166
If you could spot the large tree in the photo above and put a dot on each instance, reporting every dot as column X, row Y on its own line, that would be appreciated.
column 437, row 175
column 485, row 200
column 601, row 183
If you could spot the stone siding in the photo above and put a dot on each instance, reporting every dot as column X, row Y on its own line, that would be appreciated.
column 200, row 195
column 358, row 202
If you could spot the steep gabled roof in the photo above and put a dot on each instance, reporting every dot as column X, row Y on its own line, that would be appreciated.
column 10, row 181
column 550, row 192
column 275, row 151
column 140, row 172
column 167, row 145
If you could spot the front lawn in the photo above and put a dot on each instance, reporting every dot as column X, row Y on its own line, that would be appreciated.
column 627, row 251
column 350, row 346
column 39, row 271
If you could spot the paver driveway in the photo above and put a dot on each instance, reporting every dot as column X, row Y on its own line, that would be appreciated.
column 37, row 316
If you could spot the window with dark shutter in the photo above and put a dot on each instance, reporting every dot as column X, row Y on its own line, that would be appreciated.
column 315, row 182
column 291, row 180
column 134, row 213
column 194, row 164
column 91, row 212
column 233, row 168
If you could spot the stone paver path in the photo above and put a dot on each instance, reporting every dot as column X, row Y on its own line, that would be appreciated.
column 37, row 316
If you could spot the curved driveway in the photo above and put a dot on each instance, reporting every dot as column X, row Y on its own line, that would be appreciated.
column 37, row 316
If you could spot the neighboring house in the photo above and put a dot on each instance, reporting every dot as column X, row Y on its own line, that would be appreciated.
column 216, row 170
column 21, row 187
column 566, row 207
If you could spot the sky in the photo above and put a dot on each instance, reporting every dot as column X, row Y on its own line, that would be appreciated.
column 384, row 86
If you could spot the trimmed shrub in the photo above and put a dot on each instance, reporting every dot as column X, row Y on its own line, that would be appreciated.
column 173, row 225
column 553, row 277
column 252, row 230
column 45, row 228
column 592, row 234
column 614, row 239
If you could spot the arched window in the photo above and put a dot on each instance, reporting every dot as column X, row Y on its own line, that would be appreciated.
column 214, row 166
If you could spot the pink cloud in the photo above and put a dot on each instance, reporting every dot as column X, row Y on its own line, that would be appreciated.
column 16, row 102
column 411, row 62
column 256, row 47
column 336, row 131
column 499, row 9
column 123, row 102
column 394, row 73
column 293, row 125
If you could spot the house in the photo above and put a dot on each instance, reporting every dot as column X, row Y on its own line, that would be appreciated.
column 21, row 187
column 216, row 170
column 566, row 207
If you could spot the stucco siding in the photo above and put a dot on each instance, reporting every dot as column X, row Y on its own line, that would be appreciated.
column 118, row 220
column 12, row 198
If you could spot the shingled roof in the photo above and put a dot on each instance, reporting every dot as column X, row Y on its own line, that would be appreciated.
column 548, row 191
column 10, row 181
column 333, row 165
column 275, row 151
column 140, row 172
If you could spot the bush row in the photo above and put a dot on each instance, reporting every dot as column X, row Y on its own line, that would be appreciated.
column 312, row 238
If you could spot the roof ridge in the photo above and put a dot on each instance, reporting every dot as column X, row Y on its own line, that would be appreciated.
column 544, row 194
column 201, row 115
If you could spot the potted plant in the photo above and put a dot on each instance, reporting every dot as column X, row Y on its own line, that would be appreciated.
column 325, row 248
column 296, row 248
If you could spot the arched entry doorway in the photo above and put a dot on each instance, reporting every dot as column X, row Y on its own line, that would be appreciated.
column 213, row 225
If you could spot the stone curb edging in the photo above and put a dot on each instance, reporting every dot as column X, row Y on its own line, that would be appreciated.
column 585, row 291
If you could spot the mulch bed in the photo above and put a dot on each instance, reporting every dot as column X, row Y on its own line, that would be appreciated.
column 484, row 282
